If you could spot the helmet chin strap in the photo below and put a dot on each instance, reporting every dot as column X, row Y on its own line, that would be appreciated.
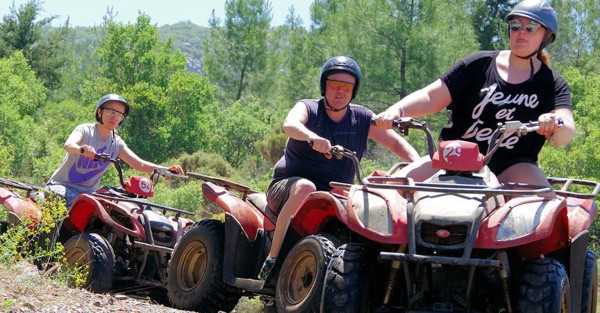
column 330, row 108
column 536, row 52
column 530, row 57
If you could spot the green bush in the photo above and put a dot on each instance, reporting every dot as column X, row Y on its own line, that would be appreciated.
column 29, row 238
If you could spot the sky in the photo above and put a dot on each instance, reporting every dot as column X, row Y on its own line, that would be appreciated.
column 161, row 12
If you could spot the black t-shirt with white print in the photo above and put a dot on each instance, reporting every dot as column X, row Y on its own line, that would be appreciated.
column 481, row 99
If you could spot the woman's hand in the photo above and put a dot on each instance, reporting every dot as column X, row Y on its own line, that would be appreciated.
column 548, row 123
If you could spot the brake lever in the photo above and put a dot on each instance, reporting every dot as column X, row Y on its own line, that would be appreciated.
column 165, row 172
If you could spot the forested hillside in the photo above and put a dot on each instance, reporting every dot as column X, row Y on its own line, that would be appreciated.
column 213, row 99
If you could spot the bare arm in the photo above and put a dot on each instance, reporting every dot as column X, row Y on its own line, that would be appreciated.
column 294, row 127
column 430, row 99
column 73, row 145
column 394, row 142
column 142, row 165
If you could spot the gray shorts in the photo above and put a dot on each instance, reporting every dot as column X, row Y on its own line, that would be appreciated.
column 279, row 192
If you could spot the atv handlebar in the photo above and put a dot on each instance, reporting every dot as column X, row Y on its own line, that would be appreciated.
column 406, row 123
column 104, row 157
column 508, row 128
column 161, row 171
column 503, row 130
column 166, row 173
column 15, row 184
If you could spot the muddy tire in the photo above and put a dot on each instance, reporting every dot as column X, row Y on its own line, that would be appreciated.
column 300, row 281
column 93, row 251
column 3, row 227
column 590, row 284
column 544, row 287
column 347, row 280
column 195, row 275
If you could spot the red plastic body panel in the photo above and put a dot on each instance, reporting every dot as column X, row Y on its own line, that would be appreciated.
column 457, row 155
column 139, row 185
column 249, row 217
column 85, row 207
column 581, row 214
column 20, row 207
column 550, row 234
column 318, row 206
column 397, row 214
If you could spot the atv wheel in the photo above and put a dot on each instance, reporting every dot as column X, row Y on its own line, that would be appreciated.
column 95, row 253
column 590, row 284
column 544, row 287
column 300, row 282
column 195, row 276
column 346, row 281
column 3, row 227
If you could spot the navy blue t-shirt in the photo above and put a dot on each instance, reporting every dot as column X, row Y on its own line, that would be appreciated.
column 481, row 99
column 301, row 160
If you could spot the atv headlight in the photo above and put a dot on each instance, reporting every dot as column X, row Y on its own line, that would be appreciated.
column 523, row 219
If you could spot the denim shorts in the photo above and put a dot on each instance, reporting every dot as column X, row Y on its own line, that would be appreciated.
column 65, row 192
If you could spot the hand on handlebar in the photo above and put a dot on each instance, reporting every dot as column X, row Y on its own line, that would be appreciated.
column 88, row 151
column 172, row 171
column 548, row 123
column 385, row 120
column 320, row 144
column 101, row 157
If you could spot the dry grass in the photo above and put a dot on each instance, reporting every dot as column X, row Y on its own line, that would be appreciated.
column 24, row 289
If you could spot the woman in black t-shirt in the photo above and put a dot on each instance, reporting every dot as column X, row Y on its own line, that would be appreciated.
column 499, row 86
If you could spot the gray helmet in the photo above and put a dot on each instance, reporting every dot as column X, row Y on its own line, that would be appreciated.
column 340, row 64
column 539, row 11
column 111, row 97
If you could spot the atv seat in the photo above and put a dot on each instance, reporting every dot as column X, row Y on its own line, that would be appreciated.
column 259, row 200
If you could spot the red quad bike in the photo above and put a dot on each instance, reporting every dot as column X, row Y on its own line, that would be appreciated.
column 17, row 207
column 460, row 241
column 216, row 262
column 124, row 239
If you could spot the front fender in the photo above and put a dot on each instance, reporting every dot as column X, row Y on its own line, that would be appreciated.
column 86, row 207
column 582, row 213
column 314, row 210
column 377, row 214
column 21, row 208
column 250, row 218
column 534, row 225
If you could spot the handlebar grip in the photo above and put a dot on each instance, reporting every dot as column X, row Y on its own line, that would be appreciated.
column 102, row 157
column 163, row 171
column 395, row 123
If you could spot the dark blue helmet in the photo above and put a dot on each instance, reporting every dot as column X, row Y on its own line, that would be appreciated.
column 340, row 64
